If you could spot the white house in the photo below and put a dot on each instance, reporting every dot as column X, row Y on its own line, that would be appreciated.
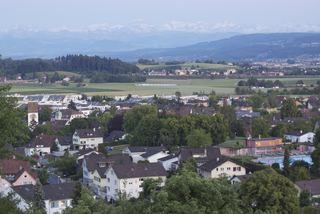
column 87, row 138
column 214, row 167
column 136, row 152
column 63, row 142
column 168, row 160
column 153, row 156
column 57, row 196
column 239, row 178
column 40, row 145
column 129, row 177
column 299, row 136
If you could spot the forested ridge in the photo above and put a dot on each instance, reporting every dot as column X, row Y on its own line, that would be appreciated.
column 82, row 64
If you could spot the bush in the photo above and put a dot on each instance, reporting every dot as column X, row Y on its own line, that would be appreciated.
column 275, row 166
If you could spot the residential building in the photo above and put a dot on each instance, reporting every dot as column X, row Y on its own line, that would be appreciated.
column 299, row 136
column 215, row 167
column 129, row 178
column 168, row 160
column 16, row 172
column 100, row 181
column 95, row 161
column 87, row 138
column 40, row 145
column 312, row 186
column 259, row 145
column 197, row 102
column 136, row 152
column 115, row 136
column 153, row 156
column 56, row 196
column 63, row 142
column 80, row 154
column 66, row 114
column 202, row 155
column 239, row 178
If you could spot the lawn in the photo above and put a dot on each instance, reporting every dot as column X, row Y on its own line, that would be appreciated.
column 118, row 149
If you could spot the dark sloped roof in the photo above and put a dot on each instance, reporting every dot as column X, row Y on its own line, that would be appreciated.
column 213, row 163
column 243, row 177
column 115, row 135
column 147, row 148
column 84, row 151
column 20, row 151
column 150, row 153
column 208, row 153
column 45, row 140
column 93, row 159
column 53, row 192
column 65, row 140
column 85, row 133
column 296, row 133
column 12, row 166
column 139, row 170
column 313, row 184
column 101, row 171
column 171, row 156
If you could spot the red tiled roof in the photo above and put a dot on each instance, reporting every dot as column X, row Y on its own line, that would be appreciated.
column 12, row 166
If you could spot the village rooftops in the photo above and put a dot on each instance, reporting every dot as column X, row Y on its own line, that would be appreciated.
column 92, row 133
column 147, row 148
column 115, row 135
column 53, row 192
column 139, row 170
column 171, row 156
column 297, row 133
column 93, row 160
column 213, row 163
column 41, row 141
column 204, row 153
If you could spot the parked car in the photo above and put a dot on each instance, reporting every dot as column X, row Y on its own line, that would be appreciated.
column 109, row 148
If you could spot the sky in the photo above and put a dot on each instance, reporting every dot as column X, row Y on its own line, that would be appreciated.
column 80, row 13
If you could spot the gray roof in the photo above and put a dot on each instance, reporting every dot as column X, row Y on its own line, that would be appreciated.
column 150, row 153
column 85, row 151
column 85, row 133
column 147, row 148
column 213, row 163
column 171, row 156
column 296, row 133
column 139, row 170
column 208, row 153
column 93, row 160
column 247, row 113
column 313, row 184
column 65, row 140
column 53, row 192
column 115, row 135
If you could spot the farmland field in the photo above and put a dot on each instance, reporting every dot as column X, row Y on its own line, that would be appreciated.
column 186, row 87
column 188, row 65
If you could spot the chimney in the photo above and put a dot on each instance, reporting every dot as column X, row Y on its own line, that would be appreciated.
column 20, row 167
column 259, row 137
column 108, row 156
column 300, row 131
column 161, row 145
column 94, row 129
column 205, row 152
column 217, row 159
column 145, row 149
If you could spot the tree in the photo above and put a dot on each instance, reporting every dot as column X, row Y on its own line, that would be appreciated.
column 78, row 123
column 314, row 109
column 43, row 175
column 76, row 193
column 54, row 147
column 191, row 164
column 259, row 127
column 290, row 109
column 38, row 196
column 113, row 109
column 67, row 164
column 178, row 95
column 255, row 101
column 10, row 118
column 316, row 138
column 302, row 174
column 198, row 138
column 267, row 191
column 280, row 129
column 286, row 162
column 305, row 198
column 72, row 105
column 45, row 114
column 106, row 117
column 102, row 149
column 315, row 156
column 116, row 123
column 65, row 83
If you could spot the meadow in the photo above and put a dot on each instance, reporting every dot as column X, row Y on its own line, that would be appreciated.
column 186, row 87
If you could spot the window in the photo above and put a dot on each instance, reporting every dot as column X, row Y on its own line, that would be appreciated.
column 111, row 172
column 54, row 204
column 130, row 182
column 108, row 188
column 236, row 169
column 136, row 181
column 259, row 143
column 92, row 139
column 64, row 203
column 228, row 168
column 25, row 182
column 25, row 176
column 217, row 169
column 108, row 180
column 280, row 141
column 130, row 191
column 115, row 182
column 85, row 172
column 97, row 179
column 140, row 179
column 116, row 191
column 222, row 169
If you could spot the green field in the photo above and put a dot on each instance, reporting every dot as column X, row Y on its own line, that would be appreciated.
column 186, row 87
column 188, row 65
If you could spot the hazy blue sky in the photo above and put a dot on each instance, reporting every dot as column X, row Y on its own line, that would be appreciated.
column 79, row 13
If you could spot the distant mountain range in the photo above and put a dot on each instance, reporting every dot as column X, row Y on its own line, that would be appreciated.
column 174, row 40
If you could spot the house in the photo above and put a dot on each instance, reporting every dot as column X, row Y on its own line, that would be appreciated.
column 259, row 145
column 63, row 142
column 129, row 178
column 56, row 196
column 115, row 136
column 215, row 167
column 3, row 79
column 80, row 154
column 95, row 161
column 66, row 114
column 152, row 156
column 239, row 178
column 312, row 186
column 299, row 136
column 87, row 138
column 16, row 172
column 40, row 145
column 306, row 147
column 100, row 181
column 136, row 152
column 168, row 160
column 251, row 114
column 202, row 155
